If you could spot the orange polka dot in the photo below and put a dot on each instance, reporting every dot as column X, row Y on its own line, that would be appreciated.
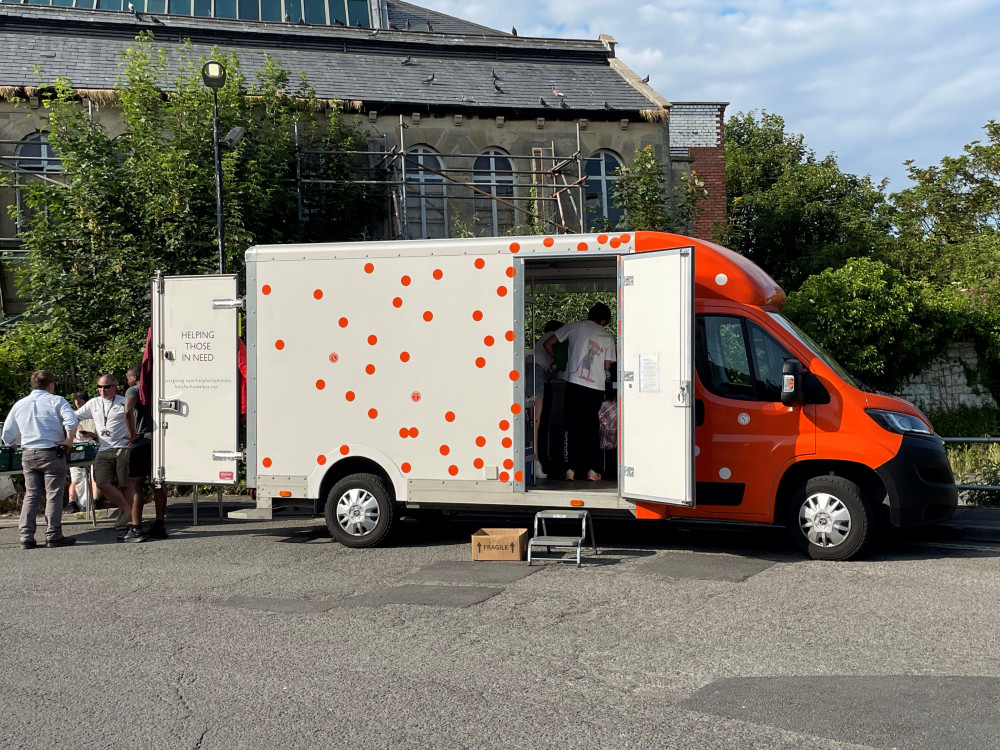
column 405, row 281
column 480, row 263
column 449, row 416
column 506, row 443
column 321, row 460
column 372, row 340
column 404, row 356
column 519, row 476
column 342, row 322
column 512, row 272
column 279, row 345
column 445, row 450
column 514, row 247
column 266, row 289
column 582, row 247
column 504, row 425
column 414, row 432
column 480, row 441
column 405, row 467
column 369, row 268
column 480, row 362
column 318, row 294
column 438, row 274
column 397, row 301
column 515, row 408
column 479, row 463
column 601, row 239
column 477, row 315
column 515, row 375
column 549, row 241
column 320, row 384
column 509, row 336
column 428, row 316
column 344, row 450
column 501, row 291
column 615, row 243
column 404, row 432
column 504, row 476
column 415, row 396
column 267, row 463
column 370, row 369
column 489, row 341
column 626, row 237
column 349, row 395
column 453, row 470
column 508, row 464
column 334, row 357
column 372, row 413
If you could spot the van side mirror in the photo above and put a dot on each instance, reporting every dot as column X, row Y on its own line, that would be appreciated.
column 791, row 381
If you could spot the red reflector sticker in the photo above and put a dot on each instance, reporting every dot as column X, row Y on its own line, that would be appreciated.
column 225, row 475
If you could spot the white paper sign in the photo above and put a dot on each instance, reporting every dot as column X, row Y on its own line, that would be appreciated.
column 649, row 373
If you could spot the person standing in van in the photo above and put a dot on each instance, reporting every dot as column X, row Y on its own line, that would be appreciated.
column 591, row 352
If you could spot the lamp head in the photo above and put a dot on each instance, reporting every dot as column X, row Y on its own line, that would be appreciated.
column 213, row 73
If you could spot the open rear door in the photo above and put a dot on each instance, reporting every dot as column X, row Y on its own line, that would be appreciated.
column 195, row 386
column 657, row 370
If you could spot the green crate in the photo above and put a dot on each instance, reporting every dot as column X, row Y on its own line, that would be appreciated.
column 5, row 455
column 82, row 452
column 15, row 461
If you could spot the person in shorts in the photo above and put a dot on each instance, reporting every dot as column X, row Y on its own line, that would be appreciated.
column 139, row 418
column 111, row 464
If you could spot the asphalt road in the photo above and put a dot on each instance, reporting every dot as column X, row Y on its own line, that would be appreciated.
column 270, row 635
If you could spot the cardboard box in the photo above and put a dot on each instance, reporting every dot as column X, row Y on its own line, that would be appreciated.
column 500, row 544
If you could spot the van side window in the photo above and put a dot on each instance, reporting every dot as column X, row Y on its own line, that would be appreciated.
column 738, row 359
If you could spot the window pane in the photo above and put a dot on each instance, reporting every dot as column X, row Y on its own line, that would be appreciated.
column 249, row 10
column 225, row 8
column 109, row 4
column 338, row 11
column 358, row 11
column 203, row 8
column 156, row 6
column 179, row 7
column 38, row 2
column 725, row 367
column 270, row 10
column 63, row 3
column 315, row 11
column 769, row 359
column 84, row 4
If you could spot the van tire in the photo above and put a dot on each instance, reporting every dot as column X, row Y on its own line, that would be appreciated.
column 360, row 511
column 830, row 519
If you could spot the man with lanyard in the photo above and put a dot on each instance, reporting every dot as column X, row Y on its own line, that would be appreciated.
column 111, row 465
column 45, row 426
column 139, row 418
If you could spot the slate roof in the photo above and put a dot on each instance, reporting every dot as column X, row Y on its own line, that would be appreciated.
column 343, row 63
column 399, row 13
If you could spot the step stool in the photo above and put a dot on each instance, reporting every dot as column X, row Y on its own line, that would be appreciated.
column 568, row 542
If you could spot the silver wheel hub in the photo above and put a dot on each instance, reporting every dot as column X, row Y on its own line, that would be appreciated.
column 357, row 511
column 825, row 520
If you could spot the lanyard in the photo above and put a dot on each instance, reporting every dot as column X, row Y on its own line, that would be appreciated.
column 107, row 413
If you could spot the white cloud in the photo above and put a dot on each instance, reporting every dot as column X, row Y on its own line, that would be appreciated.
column 875, row 82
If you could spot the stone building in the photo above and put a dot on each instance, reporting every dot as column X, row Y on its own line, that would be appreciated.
column 479, row 124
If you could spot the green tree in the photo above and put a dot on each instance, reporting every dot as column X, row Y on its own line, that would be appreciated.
column 146, row 201
column 791, row 213
column 647, row 205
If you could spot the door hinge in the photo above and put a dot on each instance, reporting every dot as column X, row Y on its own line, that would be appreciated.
column 684, row 393
column 630, row 281
column 629, row 471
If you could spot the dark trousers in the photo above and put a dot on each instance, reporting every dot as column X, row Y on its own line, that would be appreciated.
column 583, row 427
column 44, row 476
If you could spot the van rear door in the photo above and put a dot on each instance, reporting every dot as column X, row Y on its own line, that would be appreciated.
column 195, row 385
column 656, row 353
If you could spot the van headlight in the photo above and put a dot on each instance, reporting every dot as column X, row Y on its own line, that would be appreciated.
column 895, row 421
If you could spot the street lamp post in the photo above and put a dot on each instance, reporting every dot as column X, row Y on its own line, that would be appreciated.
column 214, row 75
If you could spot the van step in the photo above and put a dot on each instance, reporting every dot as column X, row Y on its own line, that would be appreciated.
column 567, row 542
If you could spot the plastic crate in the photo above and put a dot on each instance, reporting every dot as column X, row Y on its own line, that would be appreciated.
column 5, row 456
column 15, row 461
column 82, row 452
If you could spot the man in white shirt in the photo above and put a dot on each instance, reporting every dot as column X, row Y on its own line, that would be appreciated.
column 591, row 352
column 111, row 464
column 44, row 425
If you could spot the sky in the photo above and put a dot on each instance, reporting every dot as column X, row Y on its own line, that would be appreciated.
column 875, row 82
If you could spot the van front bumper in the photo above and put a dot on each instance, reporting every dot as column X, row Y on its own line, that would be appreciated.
column 919, row 482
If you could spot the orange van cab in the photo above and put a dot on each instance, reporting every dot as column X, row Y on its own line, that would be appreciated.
column 783, row 434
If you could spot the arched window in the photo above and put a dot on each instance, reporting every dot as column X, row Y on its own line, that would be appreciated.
column 601, row 170
column 426, row 209
column 34, row 154
column 493, row 173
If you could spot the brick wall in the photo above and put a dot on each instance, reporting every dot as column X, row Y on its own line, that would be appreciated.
column 696, row 129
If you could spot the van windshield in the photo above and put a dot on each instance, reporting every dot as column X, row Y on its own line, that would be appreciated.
column 817, row 350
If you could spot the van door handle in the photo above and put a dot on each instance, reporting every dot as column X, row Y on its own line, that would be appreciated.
column 699, row 412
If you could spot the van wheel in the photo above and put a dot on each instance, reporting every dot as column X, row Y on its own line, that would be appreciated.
column 829, row 519
column 360, row 511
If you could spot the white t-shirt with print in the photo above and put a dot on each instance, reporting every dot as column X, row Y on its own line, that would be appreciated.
column 589, row 346
column 110, row 416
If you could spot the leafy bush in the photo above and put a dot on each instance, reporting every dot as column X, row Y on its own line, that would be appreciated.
column 880, row 325
column 976, row 464
column 966, row 421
